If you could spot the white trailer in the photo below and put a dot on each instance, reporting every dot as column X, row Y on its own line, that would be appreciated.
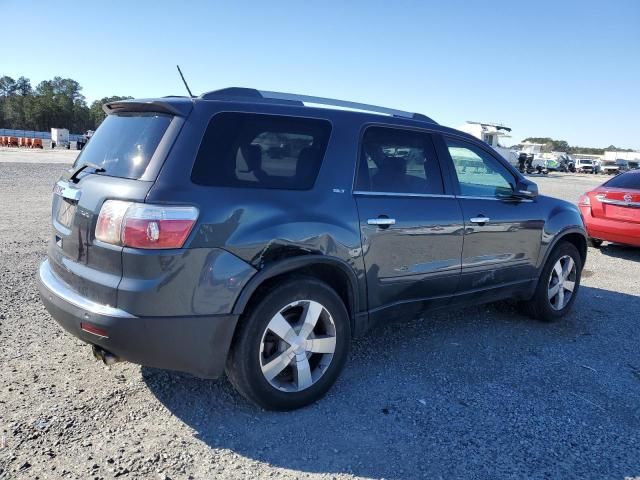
column 60, row 137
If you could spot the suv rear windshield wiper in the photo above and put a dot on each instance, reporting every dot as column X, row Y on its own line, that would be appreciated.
column 96, row 168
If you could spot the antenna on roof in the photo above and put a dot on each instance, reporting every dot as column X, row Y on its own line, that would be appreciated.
column 185, row 83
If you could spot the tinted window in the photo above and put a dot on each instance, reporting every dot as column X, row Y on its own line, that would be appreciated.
column 124, row 143
column 261, row 151
column 479, row 173
column 629, row 180
column 398, row 161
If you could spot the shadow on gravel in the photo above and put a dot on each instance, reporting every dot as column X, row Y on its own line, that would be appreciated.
column 480, row 392
column 621, row 251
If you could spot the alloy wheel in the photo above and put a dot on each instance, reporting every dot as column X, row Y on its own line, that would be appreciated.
column 297, row 346
column 562, row 282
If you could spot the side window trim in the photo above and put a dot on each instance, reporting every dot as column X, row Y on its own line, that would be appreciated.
column 446, row 165
column 397, row 194
column 443, row 151
column 430, row 136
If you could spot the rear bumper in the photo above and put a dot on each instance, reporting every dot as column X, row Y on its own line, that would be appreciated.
column 192, row 344
column 611, row 230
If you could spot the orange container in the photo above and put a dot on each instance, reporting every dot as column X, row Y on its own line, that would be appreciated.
column 37, row 143
column 13, row 141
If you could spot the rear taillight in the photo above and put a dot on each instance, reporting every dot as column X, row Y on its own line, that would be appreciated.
column 140, row 225
column 109, row 225
column 584, row 201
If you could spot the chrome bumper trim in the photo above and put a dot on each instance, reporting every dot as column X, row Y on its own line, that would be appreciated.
column 619, row 203
column 61, row 290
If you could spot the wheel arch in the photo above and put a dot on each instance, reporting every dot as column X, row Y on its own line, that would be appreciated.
column 335, row 272
column 576, row 236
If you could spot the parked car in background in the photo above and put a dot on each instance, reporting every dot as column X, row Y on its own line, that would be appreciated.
column 584, row 165
column 609, row 167
column 633, row 165
column 247, row 231
column 612, row 211
column 623, row 165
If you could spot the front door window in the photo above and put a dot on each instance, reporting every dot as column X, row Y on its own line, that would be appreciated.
column 479, row 174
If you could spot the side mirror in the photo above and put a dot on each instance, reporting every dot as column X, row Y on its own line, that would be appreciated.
column 526, row 189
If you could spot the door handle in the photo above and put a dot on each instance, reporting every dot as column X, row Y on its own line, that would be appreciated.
column 382, row 222
column 479, row 220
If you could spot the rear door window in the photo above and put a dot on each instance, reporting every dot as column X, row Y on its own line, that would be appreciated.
column 124, row 143
column 398, row 161
column 261, row 151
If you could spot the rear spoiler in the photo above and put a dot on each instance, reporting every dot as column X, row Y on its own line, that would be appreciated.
column 179, row 108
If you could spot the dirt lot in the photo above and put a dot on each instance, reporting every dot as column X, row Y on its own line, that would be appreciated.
column 474, row 393
column 45, row 155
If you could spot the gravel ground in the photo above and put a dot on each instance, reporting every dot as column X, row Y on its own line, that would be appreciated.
column 474, row 393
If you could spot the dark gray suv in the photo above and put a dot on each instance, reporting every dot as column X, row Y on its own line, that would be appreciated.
column 259, row 232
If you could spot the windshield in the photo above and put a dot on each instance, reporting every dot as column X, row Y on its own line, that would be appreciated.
column 586, row 162
column 124, row 143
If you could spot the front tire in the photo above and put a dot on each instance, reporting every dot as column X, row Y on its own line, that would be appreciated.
column 291, row 345
column 558, row 284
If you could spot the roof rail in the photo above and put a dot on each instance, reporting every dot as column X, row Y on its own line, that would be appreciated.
column 294, row 99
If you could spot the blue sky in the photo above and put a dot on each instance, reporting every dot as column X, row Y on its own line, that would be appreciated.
column 565, row 69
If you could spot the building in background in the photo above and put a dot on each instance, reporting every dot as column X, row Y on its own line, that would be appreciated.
column 629, row 156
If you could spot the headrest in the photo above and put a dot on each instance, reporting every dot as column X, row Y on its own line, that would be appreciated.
column 252, row 156
column 394, row 165
column 307, row 162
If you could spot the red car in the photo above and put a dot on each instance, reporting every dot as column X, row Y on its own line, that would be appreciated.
column 612, row 211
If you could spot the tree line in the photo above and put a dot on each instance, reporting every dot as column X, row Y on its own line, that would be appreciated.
column 551, row 145
column 59, row 103
column 55, row 103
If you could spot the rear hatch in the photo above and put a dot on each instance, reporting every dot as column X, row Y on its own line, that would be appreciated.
column 615, row 204
column 618, row 199
column 123, row 158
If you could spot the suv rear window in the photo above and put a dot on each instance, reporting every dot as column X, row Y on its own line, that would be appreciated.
column 124, row 143
column 629, row 180
column 261, row 151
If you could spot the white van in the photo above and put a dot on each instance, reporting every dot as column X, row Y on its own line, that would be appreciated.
column 584, row 165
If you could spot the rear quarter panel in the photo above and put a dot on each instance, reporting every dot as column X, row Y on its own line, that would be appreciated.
column 263, row 226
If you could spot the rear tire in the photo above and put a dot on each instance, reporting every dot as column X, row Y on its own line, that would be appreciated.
column 595, row 242
column 291, row 345
column 558, row 284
